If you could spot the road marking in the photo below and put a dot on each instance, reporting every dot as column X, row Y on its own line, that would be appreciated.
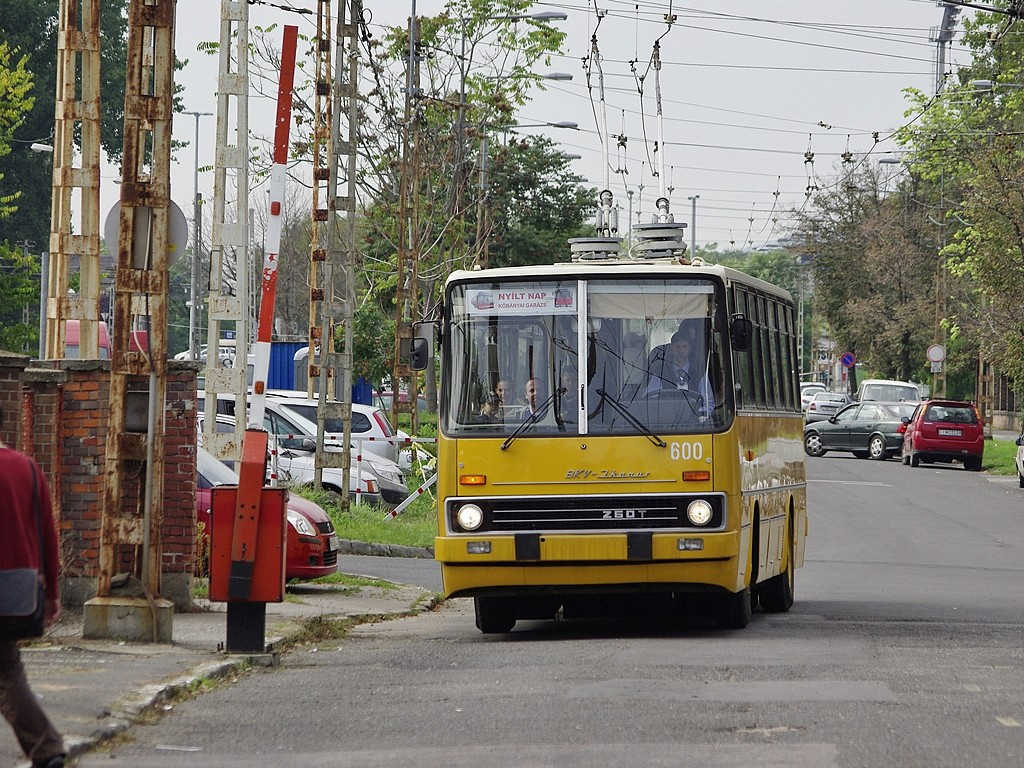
column 853, row 482
column 679, row 690
column 1009, row 722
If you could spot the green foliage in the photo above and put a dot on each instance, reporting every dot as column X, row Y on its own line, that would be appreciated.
column 31, row 29
column 874, row 257
column 965, row 151
column 19, row 287
column 535, row 204
column 15, row 101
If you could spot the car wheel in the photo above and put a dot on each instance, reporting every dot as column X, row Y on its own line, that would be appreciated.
column 876, row 448
column 812, row 444
column 906, row 459
column 1020, row 480
column 973, row 464
column 914, row 461
column 494, row 615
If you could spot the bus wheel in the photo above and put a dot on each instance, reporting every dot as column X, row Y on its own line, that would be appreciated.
column 733, row 611
column 777, row 592
column 494, row 615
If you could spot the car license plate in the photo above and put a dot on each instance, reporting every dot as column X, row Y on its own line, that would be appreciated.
column 951, row 433
column 333, row 543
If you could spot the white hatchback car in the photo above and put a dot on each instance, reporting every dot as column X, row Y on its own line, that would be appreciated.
column 371, row 429
column 808, row 389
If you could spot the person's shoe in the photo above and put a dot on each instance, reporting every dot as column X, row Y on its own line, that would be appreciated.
column 53, row 762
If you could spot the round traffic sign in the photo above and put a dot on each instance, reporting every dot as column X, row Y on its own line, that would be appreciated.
column 936, row 353
column 848, row 359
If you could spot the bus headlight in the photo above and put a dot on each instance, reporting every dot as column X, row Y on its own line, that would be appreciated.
column 699, row 512
column 469, row 517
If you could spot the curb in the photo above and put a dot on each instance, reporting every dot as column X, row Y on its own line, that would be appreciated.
column 351, row 547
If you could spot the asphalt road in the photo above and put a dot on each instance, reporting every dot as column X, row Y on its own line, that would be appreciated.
column 905, row 648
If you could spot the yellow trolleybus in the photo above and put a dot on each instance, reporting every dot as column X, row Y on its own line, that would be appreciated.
column 619, row 432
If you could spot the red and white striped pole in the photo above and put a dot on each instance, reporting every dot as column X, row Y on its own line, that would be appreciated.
column 275, row 220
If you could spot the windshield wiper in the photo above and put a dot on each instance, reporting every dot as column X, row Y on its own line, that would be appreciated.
column 534, row 417
column 637, row 424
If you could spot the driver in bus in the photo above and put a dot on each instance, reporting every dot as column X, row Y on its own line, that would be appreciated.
column 672, row 369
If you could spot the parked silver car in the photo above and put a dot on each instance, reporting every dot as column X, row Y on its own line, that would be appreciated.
column 825, row 405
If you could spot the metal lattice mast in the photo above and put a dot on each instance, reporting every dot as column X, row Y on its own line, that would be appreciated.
column 141, row 295
column 229, row 248
column 407, row 277
column 341, row 247
column 77, row 112
column 320, row 333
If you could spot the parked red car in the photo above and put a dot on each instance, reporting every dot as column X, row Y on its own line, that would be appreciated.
column 311, row 549
column 944, row 431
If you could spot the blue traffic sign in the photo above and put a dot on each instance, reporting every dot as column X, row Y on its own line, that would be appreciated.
column 848, row 359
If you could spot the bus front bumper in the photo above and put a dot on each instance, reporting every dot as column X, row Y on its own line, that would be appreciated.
column 581, row 561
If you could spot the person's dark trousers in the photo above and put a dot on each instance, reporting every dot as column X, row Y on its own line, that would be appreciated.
column 38, row 738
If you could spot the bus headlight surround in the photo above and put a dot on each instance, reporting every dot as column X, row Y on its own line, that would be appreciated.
column 699, row 512
column 469, row 517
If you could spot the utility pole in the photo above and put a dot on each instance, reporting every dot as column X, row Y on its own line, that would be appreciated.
column 407, row 292
column 229, row 233
column 693, row 225
column 197, row 249
column 78, row 110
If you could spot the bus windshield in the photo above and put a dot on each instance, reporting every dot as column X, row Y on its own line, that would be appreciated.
column 596, row 356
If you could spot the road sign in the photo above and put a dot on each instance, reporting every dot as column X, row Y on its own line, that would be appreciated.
column 936, row 353
column 848, row 359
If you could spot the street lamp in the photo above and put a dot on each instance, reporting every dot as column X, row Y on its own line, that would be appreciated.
column 44, row 270
column 197, row 201
column 567, row 124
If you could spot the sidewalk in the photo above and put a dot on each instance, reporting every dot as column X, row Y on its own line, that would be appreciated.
column 94, row 689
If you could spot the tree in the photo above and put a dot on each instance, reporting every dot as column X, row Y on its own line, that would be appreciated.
column 873, row 272
column 533, row 204
column 15, row 101
column 967, row 143
column 30, row 30
column 19, row 288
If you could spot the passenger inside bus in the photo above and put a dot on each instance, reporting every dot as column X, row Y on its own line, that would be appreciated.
column 671, row 367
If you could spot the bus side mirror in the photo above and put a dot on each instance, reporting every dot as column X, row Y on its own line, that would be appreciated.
column 419, row 353
column 741, row 331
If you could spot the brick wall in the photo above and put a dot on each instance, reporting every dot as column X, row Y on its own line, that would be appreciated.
column 65, row 426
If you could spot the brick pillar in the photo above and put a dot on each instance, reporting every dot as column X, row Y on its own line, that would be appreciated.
column 12, row 368
column 66, row 412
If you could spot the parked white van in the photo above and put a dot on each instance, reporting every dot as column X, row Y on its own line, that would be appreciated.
column 888, row 391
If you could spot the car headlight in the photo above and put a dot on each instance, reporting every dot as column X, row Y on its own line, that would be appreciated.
column 469, row 517
column 699, row 512
column 386, row 473
column 301, row 525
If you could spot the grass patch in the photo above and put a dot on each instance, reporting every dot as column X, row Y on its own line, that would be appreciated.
column 352, row 583
column 1000, row 457
column 414, row 527
column 318, row 629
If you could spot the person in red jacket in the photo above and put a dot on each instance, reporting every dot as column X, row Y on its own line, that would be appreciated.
column 19, row 548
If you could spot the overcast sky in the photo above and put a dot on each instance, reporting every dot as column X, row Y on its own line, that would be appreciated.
column 748, row 87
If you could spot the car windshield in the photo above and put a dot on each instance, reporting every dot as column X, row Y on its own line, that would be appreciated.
column 586, row 357
column 212, row 470
column 360, row 422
